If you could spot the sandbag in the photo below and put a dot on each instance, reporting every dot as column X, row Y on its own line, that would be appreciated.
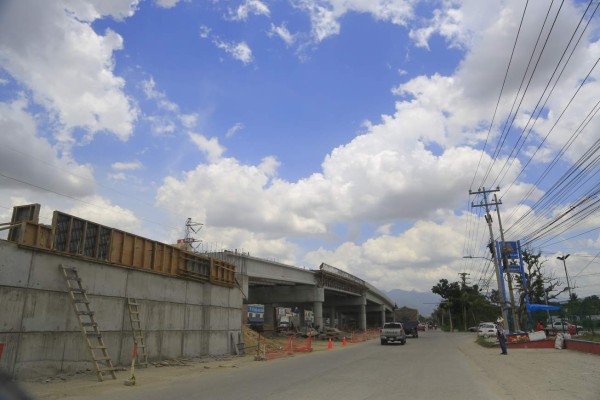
column 559, row 343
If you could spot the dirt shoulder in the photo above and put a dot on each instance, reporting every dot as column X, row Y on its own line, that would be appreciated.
column 63, row 386
column 544, row 374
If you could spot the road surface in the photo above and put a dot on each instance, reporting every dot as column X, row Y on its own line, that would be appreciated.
column 437, row 365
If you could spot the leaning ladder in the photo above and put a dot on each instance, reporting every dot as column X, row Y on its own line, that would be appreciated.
column 138, row 334
column 89, row 327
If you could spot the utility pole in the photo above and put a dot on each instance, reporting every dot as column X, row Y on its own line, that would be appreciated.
column 463, row 276
column 507, row 268
column 488, row 219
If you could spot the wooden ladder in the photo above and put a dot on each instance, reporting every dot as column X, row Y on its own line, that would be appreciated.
column 138, row 334
column 89, row 327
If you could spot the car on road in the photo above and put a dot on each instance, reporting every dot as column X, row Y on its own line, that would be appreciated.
column 422, row 326
column 473, row 328
column 393, row 332
column 487, row 329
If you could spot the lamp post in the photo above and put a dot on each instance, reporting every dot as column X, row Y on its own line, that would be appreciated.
column 564, row 260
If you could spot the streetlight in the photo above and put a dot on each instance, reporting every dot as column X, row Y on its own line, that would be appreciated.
column 564, row 260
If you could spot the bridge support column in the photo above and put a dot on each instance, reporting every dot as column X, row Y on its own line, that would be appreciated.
column 270, row 315
column 382, row 315
column 362, row 316
column 332, row 319
column 318, row 313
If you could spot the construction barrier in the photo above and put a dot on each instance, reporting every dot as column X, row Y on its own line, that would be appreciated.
column 365, row 335
column 273, row 353
column 306, row 348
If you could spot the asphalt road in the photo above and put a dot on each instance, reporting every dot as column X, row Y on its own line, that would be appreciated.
column 430, row 367
column 437, row 365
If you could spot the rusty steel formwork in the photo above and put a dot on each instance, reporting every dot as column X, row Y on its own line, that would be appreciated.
column 81, row 238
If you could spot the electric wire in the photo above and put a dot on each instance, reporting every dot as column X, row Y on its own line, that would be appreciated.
column 513, row 113
column 520, row 143
column 500, row 94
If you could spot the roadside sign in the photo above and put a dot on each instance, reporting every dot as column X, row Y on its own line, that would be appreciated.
column 511, row 249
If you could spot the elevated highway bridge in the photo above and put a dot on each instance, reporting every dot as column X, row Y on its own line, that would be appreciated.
column 335, row 297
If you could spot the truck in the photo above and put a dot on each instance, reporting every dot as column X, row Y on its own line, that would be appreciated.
column 409, row 317
column 411, row 328
column 554, row 327
column 392, row 332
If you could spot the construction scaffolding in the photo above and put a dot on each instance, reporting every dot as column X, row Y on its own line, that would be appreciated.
column 85, row 239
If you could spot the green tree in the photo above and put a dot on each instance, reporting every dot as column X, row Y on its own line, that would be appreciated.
column 540, row 288
column 465, row 304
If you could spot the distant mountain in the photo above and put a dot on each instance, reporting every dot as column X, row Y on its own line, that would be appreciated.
column 425, row 302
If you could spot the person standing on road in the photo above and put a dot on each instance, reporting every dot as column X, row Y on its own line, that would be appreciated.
column 501, row 336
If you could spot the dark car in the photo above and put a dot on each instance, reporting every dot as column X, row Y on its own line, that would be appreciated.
column 411, row 328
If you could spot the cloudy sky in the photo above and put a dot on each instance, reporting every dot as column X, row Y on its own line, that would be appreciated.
column 348, row 132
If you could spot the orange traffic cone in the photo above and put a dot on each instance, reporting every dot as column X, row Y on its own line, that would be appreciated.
column 344, row 341
column 330, row 345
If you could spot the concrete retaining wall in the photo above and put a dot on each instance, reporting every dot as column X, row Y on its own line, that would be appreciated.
column 40, row 331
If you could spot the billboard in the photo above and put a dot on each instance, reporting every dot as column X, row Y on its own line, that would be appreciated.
column 256, row 313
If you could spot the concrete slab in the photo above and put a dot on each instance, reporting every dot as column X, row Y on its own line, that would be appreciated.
column 216, row 296
column 126, row 348
column 193, row 318
column 45, row 272
column 42, row 335
column 146, row 285
column 46, row 311
column 11, row 311
column 150, row 286
column 153, row 343
column 14, row 265
column 75, row 348
column 174, row 316
column 41, row 346
column 235, row 296
column 9, row 354
column 154, row 316
column 172, row 343
column 195, row 293
column 218, row 342
column 235, row 318
column 102, row 279
column 192, row 343
column 175, row 290
column 218, row 319
column 108, row 312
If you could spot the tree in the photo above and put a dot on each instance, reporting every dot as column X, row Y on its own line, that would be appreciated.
column 540, row 288
column 463, row 301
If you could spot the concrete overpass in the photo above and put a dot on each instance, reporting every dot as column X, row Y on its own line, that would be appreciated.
column 336, row 297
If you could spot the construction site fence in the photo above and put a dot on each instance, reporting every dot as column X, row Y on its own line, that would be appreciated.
column 268, row 350
column 362, row 336
column 80, row 238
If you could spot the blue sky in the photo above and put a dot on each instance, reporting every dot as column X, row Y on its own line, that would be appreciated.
column 306, row 131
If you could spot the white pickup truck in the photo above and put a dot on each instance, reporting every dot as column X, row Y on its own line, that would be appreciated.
column 559, row 326
column 392, row 332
